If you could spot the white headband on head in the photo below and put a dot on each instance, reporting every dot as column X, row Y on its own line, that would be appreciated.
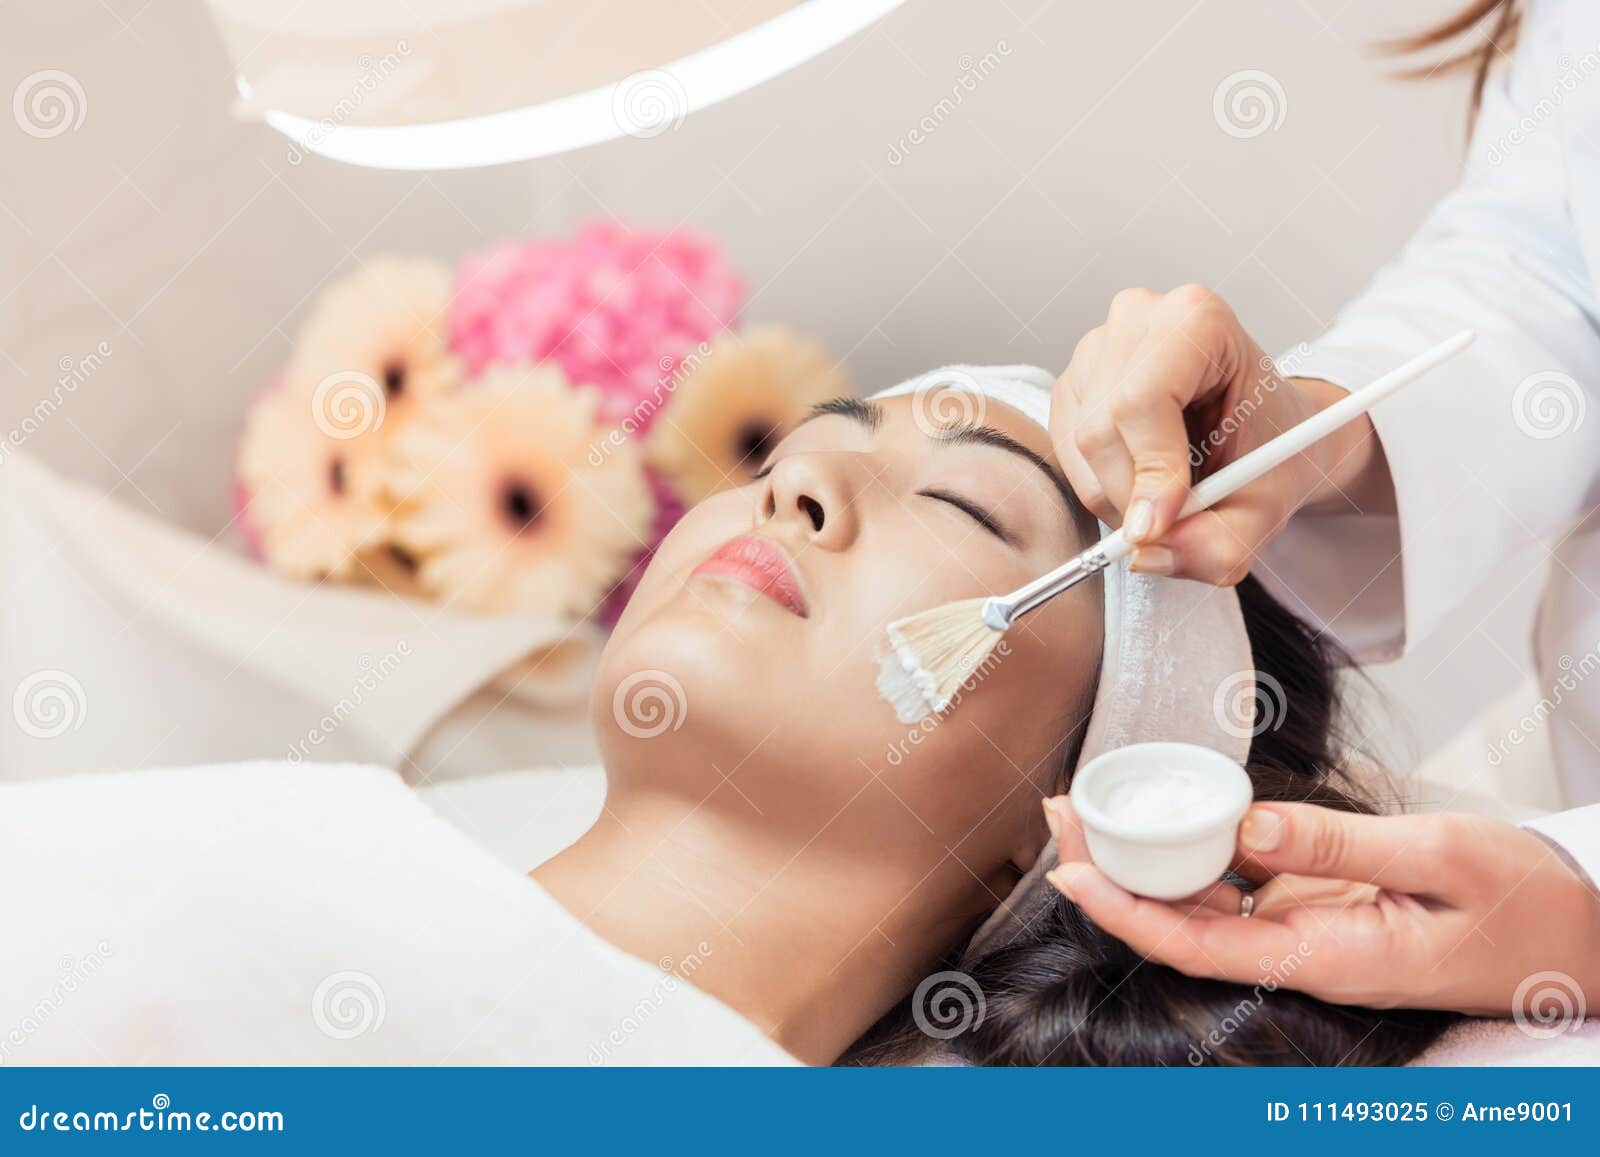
column 1176, row 663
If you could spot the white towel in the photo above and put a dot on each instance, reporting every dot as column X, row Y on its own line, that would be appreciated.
column 315, row 914
column 525, row 816
column 1503, row 1042
column 125, row 642
column 323, row 914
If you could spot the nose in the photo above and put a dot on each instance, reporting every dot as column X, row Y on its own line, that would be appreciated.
column 816, row 496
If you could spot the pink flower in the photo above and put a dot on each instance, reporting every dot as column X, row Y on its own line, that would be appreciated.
column 616, row 308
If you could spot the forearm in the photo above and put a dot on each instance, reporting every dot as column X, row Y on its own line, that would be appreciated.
column 1350, row 469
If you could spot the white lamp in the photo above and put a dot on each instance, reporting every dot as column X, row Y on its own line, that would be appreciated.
column 451, row 84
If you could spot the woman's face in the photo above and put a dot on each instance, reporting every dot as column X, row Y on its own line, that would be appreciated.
column 743, row 670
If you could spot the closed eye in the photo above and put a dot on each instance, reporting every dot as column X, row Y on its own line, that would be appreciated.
column 973, row 511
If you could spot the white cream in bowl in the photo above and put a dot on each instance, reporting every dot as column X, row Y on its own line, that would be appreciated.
column 1161, row 819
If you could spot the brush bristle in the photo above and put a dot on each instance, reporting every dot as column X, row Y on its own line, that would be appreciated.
column 930, row 655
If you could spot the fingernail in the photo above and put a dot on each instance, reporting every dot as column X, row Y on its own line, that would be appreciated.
column 1140, row 517
column 1050, row 818
column 1062, row 877
column 1154, row 560
column 1261, row 831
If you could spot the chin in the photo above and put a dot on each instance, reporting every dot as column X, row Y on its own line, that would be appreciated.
column 678, row 687
column 681, row 704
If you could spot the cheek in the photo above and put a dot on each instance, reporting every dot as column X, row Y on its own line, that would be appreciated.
column 656, row 652
column 1041, row 692
column 823, row 682
column 920, row 565
column 1006, row 739
column 900, row 576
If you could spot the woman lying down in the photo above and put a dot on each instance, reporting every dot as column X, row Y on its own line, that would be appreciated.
column 782, row 870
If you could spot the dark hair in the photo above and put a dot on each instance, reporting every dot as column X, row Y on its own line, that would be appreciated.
column 1063, row 992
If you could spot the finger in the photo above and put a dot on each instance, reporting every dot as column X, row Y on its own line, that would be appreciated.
column 1148, row 413
column 1107, row 461
column 1098, row 439
column 1421, row 855
column 1184, row 360
column 1221, row 898
column 1064, row 407
column 1221, row 948
column 1072, row 847
column 1067, row 829
column 1289, row 892
column 1217, row 546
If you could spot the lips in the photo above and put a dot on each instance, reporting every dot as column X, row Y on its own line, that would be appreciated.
column 759, row 564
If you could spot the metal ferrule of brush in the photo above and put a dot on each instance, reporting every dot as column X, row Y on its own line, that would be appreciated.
column 1000, row 611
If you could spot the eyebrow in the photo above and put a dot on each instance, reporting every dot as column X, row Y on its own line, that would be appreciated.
column 864, row 413
column 869, row 415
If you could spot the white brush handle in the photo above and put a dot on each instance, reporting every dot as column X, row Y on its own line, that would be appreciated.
column 1001, row 612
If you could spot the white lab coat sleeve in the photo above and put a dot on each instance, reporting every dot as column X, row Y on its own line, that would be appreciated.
column 1575, row 833
column 1491, row 451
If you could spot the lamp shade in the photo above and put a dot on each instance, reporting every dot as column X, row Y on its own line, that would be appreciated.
column 450, row 84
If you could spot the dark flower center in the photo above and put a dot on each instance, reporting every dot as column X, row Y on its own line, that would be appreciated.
column 394, row 378
column 521, row 504
column 403, row 558
column 753, row 441
column 336, row 476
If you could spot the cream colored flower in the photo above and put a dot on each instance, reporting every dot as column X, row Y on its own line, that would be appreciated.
column 385, row 565
column 727, row 412
column 376, row 345
column 500, row 501
column 313, row 500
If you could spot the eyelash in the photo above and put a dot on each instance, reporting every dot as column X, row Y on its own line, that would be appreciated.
column 977, row 513
column 973, row 511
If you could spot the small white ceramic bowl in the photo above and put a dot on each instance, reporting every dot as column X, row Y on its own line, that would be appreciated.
column 1161, row 819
